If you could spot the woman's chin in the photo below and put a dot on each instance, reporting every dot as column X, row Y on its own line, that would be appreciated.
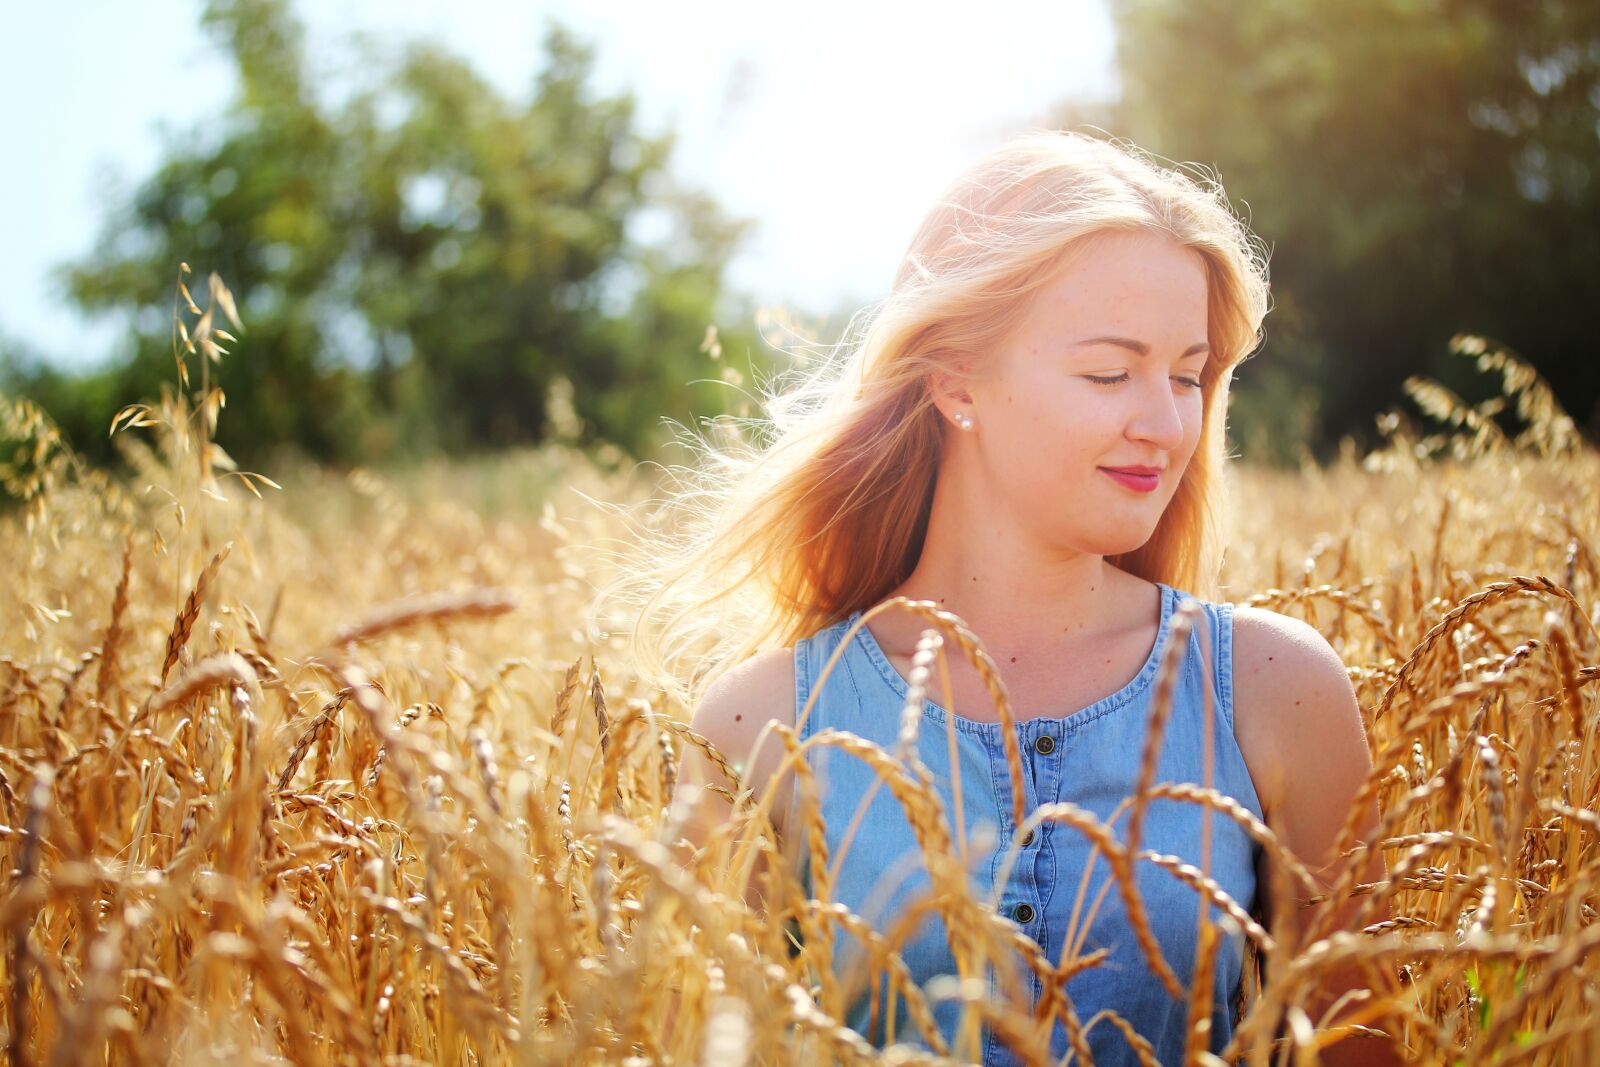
column 1120, row 545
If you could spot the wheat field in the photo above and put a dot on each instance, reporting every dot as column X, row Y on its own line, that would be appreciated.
column 332, row 772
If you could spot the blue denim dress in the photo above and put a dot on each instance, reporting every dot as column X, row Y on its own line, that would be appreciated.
column 1090, row 758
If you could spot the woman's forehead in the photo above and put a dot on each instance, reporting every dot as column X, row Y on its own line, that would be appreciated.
column 1126, row 289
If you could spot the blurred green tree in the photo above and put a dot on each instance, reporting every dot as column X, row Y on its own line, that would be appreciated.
column 420, row 263
column 1419, row 168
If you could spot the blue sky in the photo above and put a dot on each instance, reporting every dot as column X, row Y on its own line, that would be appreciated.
column 871, row 113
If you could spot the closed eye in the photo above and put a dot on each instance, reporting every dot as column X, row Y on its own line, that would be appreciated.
column 1188, row 383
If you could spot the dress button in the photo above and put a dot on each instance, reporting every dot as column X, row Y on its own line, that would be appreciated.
column 1023, row 913
column 1027, row 839
column 1045, row 745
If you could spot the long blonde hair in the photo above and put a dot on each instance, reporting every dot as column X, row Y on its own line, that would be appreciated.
column 766, row 542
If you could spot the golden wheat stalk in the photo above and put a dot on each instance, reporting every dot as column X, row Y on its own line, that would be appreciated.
column 437, row 608
column 183, row 625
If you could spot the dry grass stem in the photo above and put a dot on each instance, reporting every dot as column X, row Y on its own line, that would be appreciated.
column 451, row 833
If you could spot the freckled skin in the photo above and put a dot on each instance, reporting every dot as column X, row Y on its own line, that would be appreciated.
column 1038, row 463
column 1024, row 501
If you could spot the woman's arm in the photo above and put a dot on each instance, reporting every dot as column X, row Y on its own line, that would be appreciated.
column 731, row 715
column 1300, row 728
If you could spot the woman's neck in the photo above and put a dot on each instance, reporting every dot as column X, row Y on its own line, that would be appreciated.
column 1010, row 586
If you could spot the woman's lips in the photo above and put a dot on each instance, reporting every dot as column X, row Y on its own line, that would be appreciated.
column 1140, row 480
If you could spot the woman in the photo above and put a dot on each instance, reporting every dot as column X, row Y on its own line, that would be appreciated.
column 1030, row 434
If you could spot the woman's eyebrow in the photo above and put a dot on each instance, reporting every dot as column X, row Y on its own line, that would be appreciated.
column 1138, row 346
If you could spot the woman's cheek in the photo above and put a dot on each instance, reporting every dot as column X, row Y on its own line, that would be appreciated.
column 1194, row 411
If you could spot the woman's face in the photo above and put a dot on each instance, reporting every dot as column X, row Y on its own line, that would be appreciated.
column 1085, row 438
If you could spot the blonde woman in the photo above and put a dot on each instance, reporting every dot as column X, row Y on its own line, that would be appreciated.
column 1029, row 433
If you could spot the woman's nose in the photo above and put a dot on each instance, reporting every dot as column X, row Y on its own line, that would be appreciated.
column 1157, row 419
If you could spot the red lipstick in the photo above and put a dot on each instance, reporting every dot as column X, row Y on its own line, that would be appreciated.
column 1139, row 479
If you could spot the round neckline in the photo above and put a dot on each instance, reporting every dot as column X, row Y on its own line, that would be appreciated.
column 930, row 709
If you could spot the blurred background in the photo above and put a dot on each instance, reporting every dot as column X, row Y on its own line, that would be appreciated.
column 457, row 229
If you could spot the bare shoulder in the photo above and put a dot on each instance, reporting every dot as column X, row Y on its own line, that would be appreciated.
column 1274, row 646
column 1298, row 724
column 737, row 707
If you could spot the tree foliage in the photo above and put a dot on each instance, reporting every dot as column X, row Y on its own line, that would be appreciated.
column 1420, row 168
column 418, row 263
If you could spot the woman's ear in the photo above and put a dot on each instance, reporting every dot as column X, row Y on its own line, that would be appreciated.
column 949, row 389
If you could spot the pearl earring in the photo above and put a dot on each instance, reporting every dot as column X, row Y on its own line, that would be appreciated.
column 964, row 421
